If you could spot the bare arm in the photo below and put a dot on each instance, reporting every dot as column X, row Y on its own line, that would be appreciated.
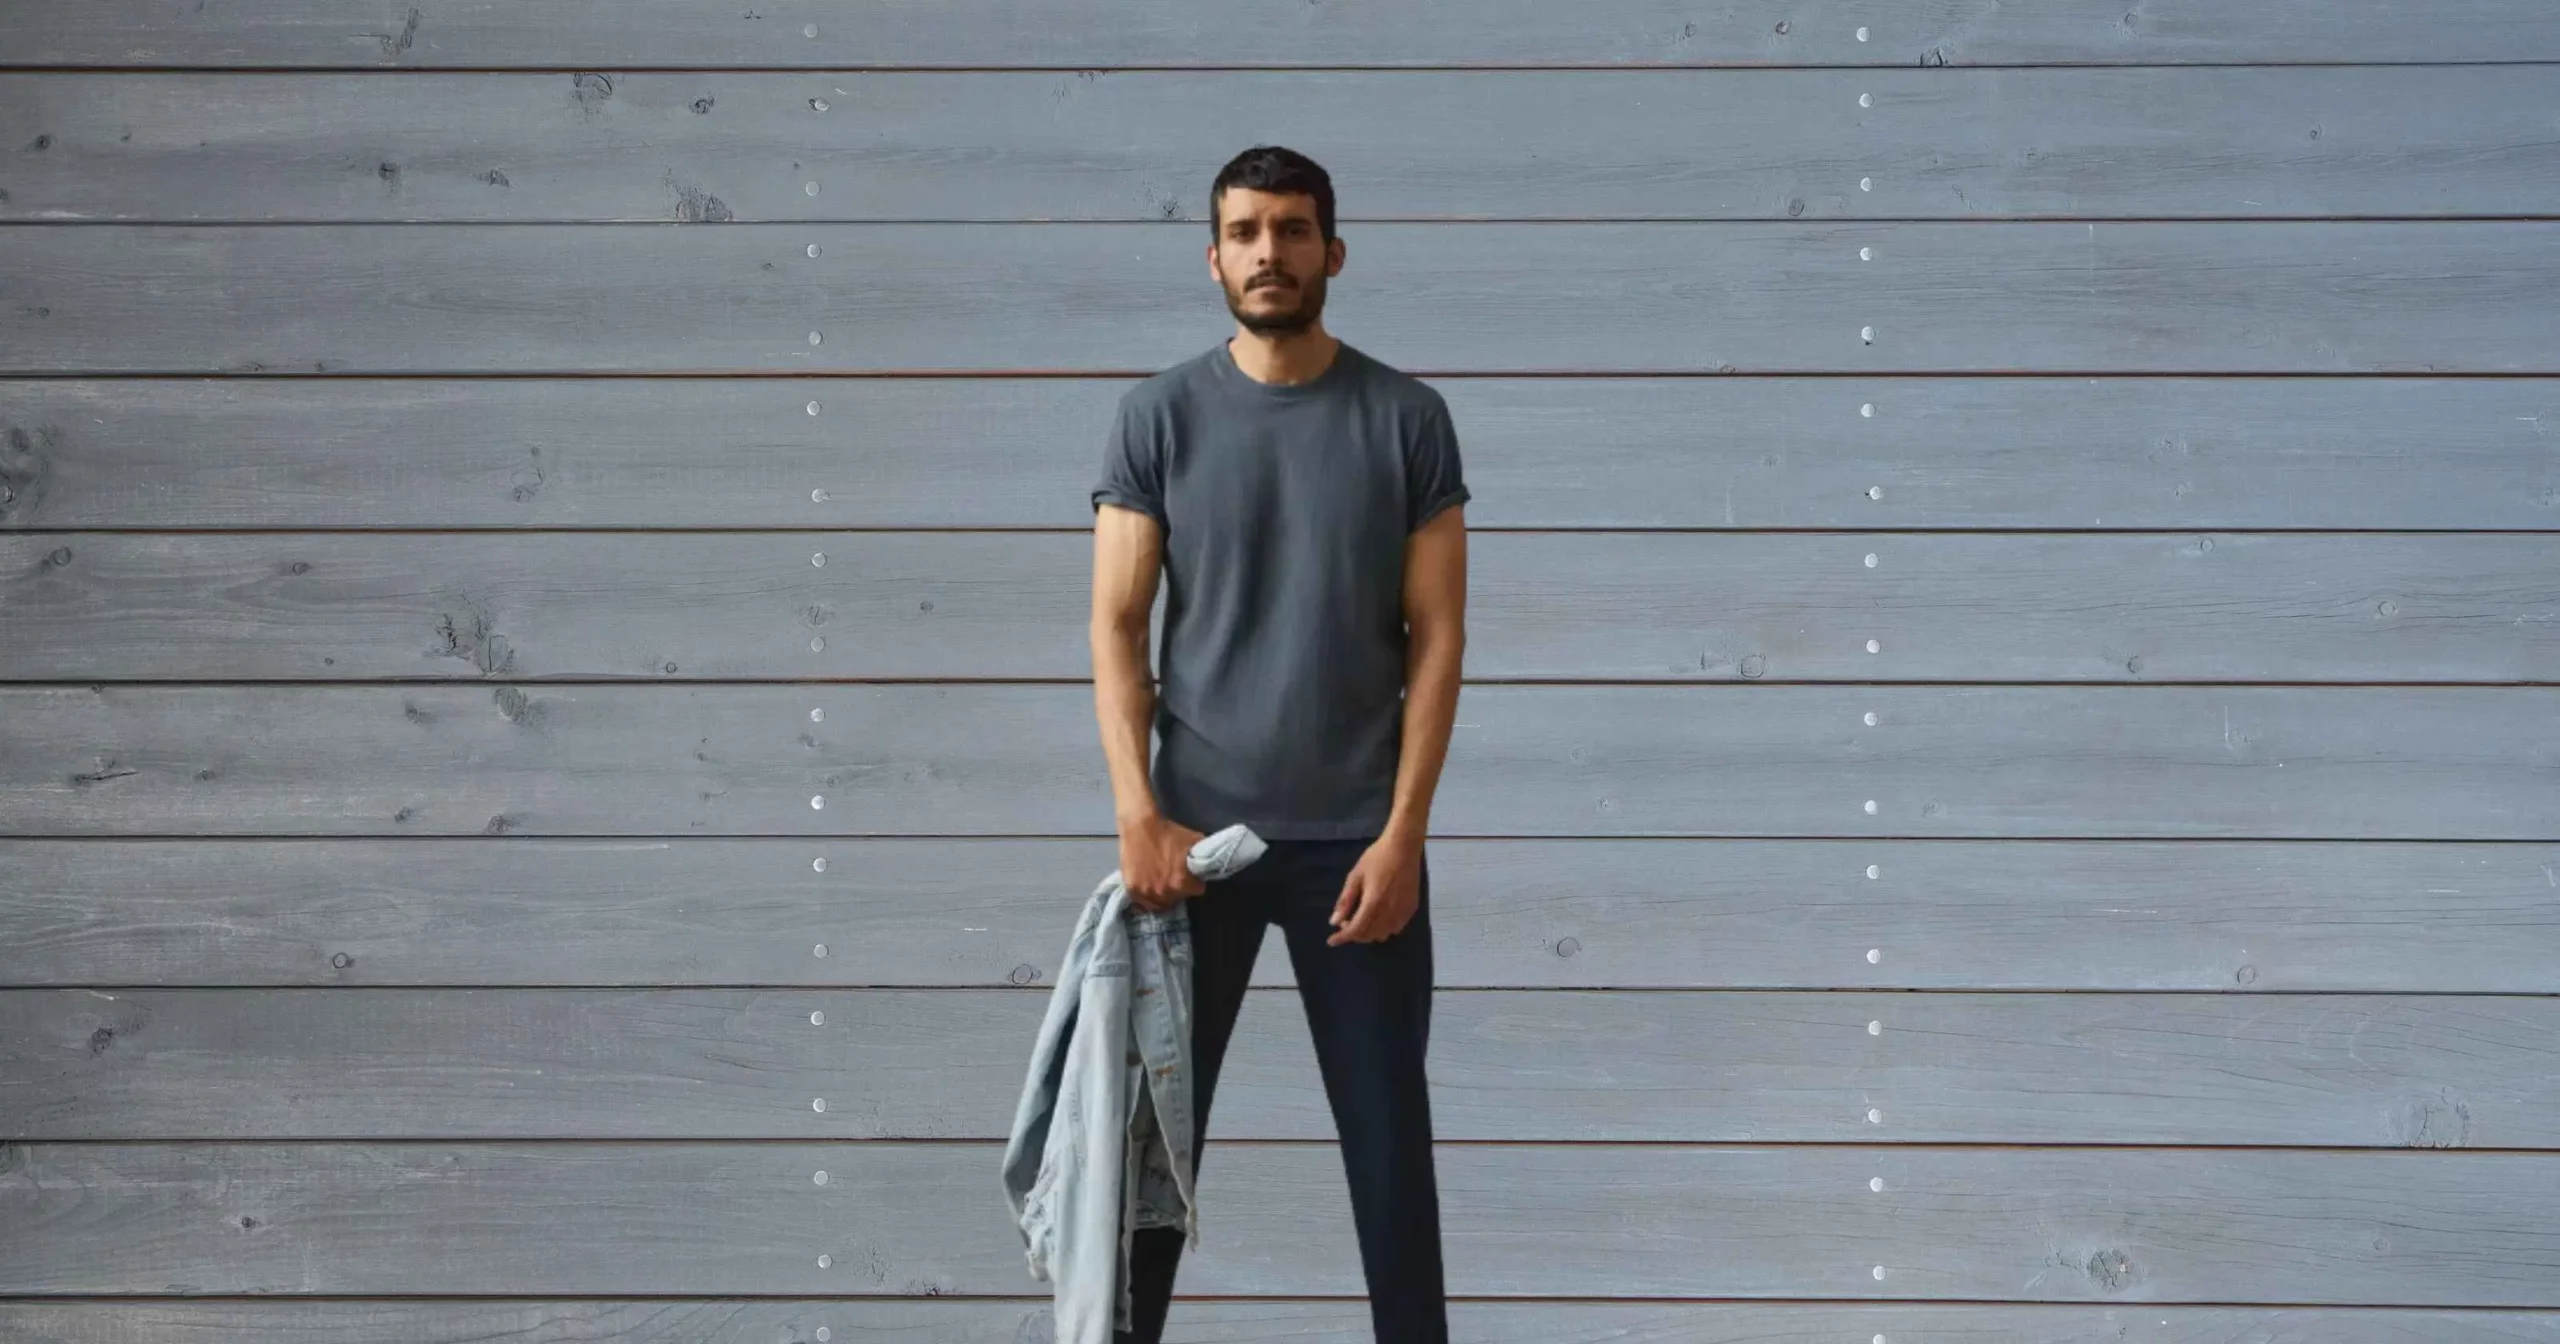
column 1128, row 558
column 1435, row 611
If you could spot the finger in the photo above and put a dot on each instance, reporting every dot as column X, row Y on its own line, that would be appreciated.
column 1346, row 911
column 1363, row 926
column 1354, row 888
column 1390, row 920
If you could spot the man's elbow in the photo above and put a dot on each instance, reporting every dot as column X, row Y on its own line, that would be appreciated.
column 1437, row 632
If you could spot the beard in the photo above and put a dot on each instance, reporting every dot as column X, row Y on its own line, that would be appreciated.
column 1310, row 306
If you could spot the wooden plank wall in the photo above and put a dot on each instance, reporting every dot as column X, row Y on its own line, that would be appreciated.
column 2009, row 786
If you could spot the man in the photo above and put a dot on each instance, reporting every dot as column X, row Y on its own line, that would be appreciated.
column 1302, row 503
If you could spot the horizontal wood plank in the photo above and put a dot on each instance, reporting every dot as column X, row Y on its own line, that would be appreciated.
column 2437, row 1071
column 2217, row 453
column 2221, row 1226
column 1707, row 914
column 589, row 34
column 2445, row 763
column 697, row 146
column 1663, row 607
column 1345, row 1321
column 2325, row 297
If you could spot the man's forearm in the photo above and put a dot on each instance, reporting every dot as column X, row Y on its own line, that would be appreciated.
column 1432, row 662
column 1124, row 703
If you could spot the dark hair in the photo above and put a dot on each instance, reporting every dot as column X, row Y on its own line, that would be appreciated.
column 1274, row 169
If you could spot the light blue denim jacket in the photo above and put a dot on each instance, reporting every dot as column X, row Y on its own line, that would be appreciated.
column 1114, row 1058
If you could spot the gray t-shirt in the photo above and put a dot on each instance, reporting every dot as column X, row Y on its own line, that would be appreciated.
column 1281, row 677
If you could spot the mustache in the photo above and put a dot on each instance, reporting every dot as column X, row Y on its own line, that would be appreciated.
column 1269, row 280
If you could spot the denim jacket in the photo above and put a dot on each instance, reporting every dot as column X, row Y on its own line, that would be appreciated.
column 1114, row 1058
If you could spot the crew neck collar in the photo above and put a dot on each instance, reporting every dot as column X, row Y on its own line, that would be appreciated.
column 1225, row 358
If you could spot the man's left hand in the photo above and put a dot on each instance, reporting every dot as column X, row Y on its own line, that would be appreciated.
column 1380, row 895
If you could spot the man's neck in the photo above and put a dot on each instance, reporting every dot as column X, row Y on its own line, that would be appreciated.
column 1287, row 360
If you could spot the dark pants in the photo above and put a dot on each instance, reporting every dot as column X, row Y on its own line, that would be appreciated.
column 1368, row 1007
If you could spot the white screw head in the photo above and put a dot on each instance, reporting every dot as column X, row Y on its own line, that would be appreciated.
column 818, row 803
column 1875, row 1117
column 1866, row 100
column 818, row 715
column 824, row 1334
column 817, row 644
column 1871, row 646
column 819, row 1179
column 1871, row 559
column 1871, row 718
column 1871, row 807
column 816, row 339
column 1876, row 1183
column 817, row 104
column 1875, row 492
column 809, row 188
column 825, row 1261
column 1874, row 955
column 1867, row 334
column 1866, row 184
column 818, row 496
column 1867, row 409
column 809, row 30
column 819, row 951
column 818, row 560
column 1862, row 36
column 819, row 1105
column 818, row 1019
column 1879, row 1271
column 813, row 249
column 1873, row 871
column 813, row 408
column 818, row 864
column 1866, row 254
column 1875, row 1028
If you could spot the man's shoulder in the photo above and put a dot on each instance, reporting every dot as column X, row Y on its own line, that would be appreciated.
column 1169, row 385
column 1394, row 386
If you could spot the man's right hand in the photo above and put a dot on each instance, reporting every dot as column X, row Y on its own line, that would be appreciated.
column 1155, row 855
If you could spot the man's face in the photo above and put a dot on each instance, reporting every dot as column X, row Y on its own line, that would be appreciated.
column 1271, row 260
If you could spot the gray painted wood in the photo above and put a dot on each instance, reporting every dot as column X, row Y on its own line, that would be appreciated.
column 699, row 146
column 2349, row 1070
column 1711, row 914
column 2436, row 453
column 2448, row 763
column 402, row 34
column 891, row 1321
column 2068, row 607
column 2365, row 297
column 2220, row 1225
column 693, row 911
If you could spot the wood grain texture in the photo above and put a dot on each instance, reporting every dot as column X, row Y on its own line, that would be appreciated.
column 2067, row 607
column 593, row 34
column 710, row 147
column 2445, row 763
column 2228, row 1226
column 2345, row 1070
column 1344, row 1321
column 2320, row 297
column 1705, row 914
column 1785, row 452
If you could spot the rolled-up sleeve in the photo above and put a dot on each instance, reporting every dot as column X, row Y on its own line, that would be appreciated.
column 1132, row 464
column 1435, row 478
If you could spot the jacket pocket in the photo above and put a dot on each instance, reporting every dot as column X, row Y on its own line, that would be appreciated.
column 1040, row 1221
